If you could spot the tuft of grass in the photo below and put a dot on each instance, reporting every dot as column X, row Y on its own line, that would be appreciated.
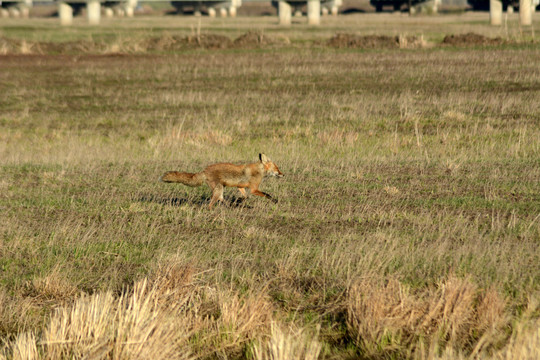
column 283, row 345
column 391, row 320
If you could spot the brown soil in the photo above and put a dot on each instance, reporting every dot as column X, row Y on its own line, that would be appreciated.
column 368, row 41
column 471, row 39
column 168, row 42
column 209, row 41
column 14, row 46
column 257, row 38
column 342, row 40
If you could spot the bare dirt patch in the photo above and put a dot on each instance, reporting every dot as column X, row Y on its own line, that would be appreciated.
column 471, row 39
column 173, row 42
column 166, row 42
column 343, row 40
column 208, row 41
column 251, row 39
column 368, row 41
column 15, row 46
column 257, row 38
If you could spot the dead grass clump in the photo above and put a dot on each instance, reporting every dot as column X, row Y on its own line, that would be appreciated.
column 375, row 314
column 13, row 46
column 385, row 319
column 524, row 343
column 165, row 318
column 174, row 284
column 17, row 313
column 241, row 319
column 490, row 311
column 471, row 39
column 102, row 326
column 164, row 42
column 288, row 346
column 173, row 276
column 54, row 286
column 24, row 347
column 412, row 42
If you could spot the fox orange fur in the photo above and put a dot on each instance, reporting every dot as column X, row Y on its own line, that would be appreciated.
column 217, row 176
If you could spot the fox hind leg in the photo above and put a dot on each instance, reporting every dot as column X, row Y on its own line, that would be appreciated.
column 217, row 194
column 242, row 192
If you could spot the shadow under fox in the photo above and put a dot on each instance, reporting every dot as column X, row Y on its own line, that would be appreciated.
column 217, row 176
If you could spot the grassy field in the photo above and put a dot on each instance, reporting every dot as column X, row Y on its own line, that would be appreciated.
column 408, row 221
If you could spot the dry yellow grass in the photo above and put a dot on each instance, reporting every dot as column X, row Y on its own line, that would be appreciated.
column 384, row 319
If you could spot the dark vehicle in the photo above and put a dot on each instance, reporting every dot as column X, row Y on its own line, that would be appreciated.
column 478, row 5
column 395, row 4
column 484, row 4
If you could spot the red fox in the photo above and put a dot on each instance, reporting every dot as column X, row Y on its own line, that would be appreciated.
column 225, row 174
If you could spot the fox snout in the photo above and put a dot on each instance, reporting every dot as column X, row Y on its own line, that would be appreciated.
column 277, row 173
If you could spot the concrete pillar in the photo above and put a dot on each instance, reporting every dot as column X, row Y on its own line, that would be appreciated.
column 314, row 12
column 436, row 6
column 4, row 13
column 335, row 10
column 130, row 11
column 109, row 13
column 65, row 12
column 428, row 7
column 197, row 10
column 223, row 12
column 130, row 7
column 509, row 9
column 25, row 12
column 212, row 12
column 235, row 4
column 297, row 13
column 495, row 12
column 284, row 13
column 525, row 12
column 324, row 11
column 14, row 12
column 93, row 10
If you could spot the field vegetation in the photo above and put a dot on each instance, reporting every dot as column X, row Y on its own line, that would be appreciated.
column 408, row 221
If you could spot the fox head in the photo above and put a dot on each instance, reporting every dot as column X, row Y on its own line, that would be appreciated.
column 270, row 169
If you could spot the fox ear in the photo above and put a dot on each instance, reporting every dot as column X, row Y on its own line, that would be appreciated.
column 263, row 158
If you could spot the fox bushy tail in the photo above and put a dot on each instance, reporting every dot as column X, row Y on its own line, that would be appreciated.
column 188, row 179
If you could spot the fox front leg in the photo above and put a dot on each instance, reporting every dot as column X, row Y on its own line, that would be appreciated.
column 263, row 194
